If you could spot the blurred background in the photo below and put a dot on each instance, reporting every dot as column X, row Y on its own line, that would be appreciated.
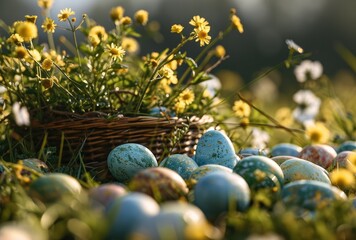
column 318, row 26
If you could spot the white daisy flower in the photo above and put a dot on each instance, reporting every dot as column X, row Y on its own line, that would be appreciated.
column 260, row 138
column 22, row 117
column 308, row 106
column 308, row 70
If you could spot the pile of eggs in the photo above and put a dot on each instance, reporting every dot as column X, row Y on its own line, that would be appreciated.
column 189, row 197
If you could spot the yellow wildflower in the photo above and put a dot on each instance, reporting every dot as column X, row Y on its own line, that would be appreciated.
column 48, row 82
column 164, row 85
column 18, row 169
column 179, row 107
column 47, row 64
column 126, row 21
column 115, row 51
column 236, row 23
column 64, row 14
column 187, row 96
column 198, row 22
column 94, row 40
column 117, row 13
column 130, row 45
column 31, row 18
column 98, row 31
column 21, row 52
column 15, row 38
column 343, row 178
column 27, row 30
column 177, row 28
column 45, row 4
column 49, row 25
column 141, row 17
column 202, row 35
column 317, row 133
column 241, row 109
column 220, row 51
column 33, row 55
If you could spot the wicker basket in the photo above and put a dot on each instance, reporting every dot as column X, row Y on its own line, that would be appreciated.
column 94, row 136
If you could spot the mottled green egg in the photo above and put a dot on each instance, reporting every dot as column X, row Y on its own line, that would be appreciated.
column 310, row 194
column 126, row 160
column 201, row 171
column 299, row 169
column 52, row 187
column 260, row 172
column 214, row 147
column 180, row 163
column 182, row 220
column 162, row 184
column 285, row 149
column 281, row 159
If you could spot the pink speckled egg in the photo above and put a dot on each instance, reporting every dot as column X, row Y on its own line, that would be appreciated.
column 104, row 194
column 343, row 159
column 320, row 154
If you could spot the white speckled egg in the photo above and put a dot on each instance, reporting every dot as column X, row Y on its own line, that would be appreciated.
column 299, row 169
column 126, row 160
column 214, row 147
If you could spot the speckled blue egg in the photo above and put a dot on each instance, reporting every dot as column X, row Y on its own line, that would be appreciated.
column 346, row 146
column 260, row 172
column 299, row 169
column 202, row 171
column 180, row 163
column 310, row 194
column 125, row 213
column 219, row 192
column 127, row 159
column 214, row 147
column 286, row 149
column 246, row 152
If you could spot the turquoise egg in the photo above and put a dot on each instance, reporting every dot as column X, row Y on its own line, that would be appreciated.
column 36, row 164
column 346, row 146
column 260, row 172
column 162, row 184
column 320, row 154
column 201, row 171
column 180, row 163
column 125, row 160
column 52, row 187
column 125, row 213
column 299, row 169
column 285, row 149
column 182, row 220
column 219, row 192
column 246, row 152
column 310, row 194
column 214, row 147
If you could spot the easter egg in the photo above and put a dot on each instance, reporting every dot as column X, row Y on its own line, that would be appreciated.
column 310, row 194
column 104, row 194
column 320, row 154
column 286, row 149
column 52, row 187
column 180, row 163
column 246, row 152
column 344, row 159
column 125, row 160
column 219, row 192
column 125, row 213
column 163, row 184
column 299, row 169
column 182, row 220
column 260, row 172
column 214, row 147
column 281, row 159
column 201, row 171
column 346, row 146
column 36, row 164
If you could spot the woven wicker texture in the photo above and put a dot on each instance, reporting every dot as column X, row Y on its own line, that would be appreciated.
column 94, row 137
